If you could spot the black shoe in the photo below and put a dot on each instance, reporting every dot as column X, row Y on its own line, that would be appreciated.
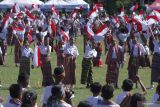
column 88, row 86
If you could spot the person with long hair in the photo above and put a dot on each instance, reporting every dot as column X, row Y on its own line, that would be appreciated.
column 57, row 97
column 29, row 99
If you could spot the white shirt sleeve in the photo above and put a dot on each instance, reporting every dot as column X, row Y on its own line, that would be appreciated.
column 142, row 49
column 46, row 94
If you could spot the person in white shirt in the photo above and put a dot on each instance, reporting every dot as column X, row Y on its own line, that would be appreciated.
column 19, row 40
column 145, row 60
column 127, row 87
column 137, row 50
column 122, row 37
column 107, row 94
column 45, row 51
column 113, row 61
column 86, row 75
column 155, row 72
column 15, row 91
column 71, row 53
column 24, row 68
column 95, row 88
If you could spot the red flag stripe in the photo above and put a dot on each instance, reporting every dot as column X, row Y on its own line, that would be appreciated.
column 93, row 11
column 30, row 15
column 5, row 19
column 153, row 17
column 53, row 26
column 39, row 57
column 101, row 28
column 65, row 35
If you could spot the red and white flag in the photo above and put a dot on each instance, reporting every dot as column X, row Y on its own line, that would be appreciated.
column 75, row 12
column 64, row 35
column 30, row 35
column 18, row 30
column 54, row 11
column 29, row 14
column 89, row 31
column 93, row 13
column 5, row 21
column 153, row 17
column 102, row 30
column 15, row 8
column 35, row 8
column 126, row 18
column 141, row 12
column 134, row 8
column 98, row 6
column 36, row 57
column 157, row 10
column 151, row 21
column 53, row 26
column 20, row 15
column 116, row 21
column 138, row 24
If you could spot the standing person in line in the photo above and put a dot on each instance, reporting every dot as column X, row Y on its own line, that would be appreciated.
column 45, row 50
column 18, row 40
column 71, row 53
column 155, row 72
column 113, row 61
column 137, row 50
column 86, row 75
column 24, row 68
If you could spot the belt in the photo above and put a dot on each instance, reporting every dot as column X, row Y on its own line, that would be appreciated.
column 87, row 58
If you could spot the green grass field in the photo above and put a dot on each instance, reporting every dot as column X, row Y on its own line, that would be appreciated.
column 9, row 74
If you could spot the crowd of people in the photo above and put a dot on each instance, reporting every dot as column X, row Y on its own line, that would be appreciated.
column 136, row 34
